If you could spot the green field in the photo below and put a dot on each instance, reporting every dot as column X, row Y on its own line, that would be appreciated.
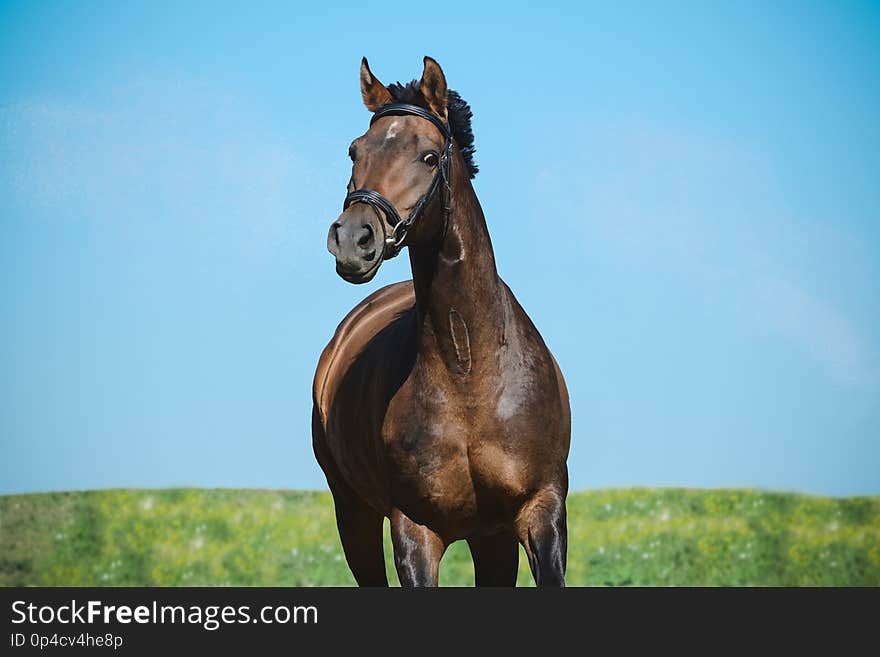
column 260, row 538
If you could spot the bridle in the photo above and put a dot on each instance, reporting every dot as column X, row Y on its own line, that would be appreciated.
column 391, row 244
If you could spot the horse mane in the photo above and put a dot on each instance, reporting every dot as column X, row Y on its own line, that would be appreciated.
column 459, row 113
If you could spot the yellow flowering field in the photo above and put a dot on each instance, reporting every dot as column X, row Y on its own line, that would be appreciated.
column 620, row 537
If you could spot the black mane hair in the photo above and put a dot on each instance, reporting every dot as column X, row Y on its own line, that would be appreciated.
column 458, row 111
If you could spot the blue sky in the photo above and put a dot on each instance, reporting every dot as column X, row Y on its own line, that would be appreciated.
column 686, row 201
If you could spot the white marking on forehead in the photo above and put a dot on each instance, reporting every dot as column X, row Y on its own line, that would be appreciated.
column 392, row 130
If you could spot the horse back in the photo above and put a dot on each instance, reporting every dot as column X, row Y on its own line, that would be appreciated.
column 354, row 333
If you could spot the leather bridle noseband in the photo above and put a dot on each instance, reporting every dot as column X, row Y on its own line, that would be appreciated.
column 391, row 244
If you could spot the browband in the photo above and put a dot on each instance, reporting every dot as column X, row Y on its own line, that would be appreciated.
column 403, row 109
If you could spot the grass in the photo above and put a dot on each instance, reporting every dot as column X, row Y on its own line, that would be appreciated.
column 288, row 538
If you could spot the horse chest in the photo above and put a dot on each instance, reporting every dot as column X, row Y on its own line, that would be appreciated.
column 444, row 455
column 427, row 449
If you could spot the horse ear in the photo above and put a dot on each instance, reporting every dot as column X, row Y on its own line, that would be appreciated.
column 433, row 87
column 374, row 93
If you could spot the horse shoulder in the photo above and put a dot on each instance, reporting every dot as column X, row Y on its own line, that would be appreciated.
column 524, row 349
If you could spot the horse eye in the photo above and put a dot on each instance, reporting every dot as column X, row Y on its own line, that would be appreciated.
column 430, row 159
column 352, row 152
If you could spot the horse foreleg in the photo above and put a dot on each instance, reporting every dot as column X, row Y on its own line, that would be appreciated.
column 417, row 551
column 542, row 531
column 360, row 529
column 496, row 559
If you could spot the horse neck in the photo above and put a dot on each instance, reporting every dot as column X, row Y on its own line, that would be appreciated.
column 458, row 292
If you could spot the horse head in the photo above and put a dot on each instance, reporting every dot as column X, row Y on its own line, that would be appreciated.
column 399, row 178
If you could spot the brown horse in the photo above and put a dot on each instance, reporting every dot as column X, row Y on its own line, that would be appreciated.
column 437, row 403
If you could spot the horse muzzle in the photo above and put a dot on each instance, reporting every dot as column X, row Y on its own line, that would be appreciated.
column 356, row 241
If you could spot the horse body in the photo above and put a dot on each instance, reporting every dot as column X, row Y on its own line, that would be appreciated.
column 438, row 405
column 454, row 452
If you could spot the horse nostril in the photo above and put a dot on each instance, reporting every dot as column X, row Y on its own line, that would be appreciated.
column 366, row 237
column 334, row 231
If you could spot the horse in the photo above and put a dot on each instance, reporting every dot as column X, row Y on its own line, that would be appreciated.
column 436, row 404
